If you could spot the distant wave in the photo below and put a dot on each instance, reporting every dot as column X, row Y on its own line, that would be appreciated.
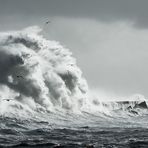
column 126, row 107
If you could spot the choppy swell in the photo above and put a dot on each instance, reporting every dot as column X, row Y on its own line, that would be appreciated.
column 39, row 80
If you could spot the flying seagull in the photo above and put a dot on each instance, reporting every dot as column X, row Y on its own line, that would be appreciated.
column 19, row 76
column 7, row 99
column 47, row 22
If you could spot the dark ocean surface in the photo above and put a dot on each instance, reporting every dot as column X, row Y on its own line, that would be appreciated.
column 96, row 133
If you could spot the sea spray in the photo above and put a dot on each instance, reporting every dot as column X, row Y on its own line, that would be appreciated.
column 49, row 77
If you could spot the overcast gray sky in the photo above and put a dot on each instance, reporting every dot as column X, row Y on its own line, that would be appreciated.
column 109, row 38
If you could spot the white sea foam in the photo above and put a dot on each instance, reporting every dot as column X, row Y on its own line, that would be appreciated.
column 38, row 72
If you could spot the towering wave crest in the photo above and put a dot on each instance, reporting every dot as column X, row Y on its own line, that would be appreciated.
column 38, row 74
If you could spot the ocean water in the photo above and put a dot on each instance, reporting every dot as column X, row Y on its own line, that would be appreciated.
column 45, row 100
column 68, row 132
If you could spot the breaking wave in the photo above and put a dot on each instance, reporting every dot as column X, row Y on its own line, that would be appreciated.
column 38, row 74
column 41, row 76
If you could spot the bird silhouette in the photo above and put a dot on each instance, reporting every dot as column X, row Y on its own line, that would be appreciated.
column 7, row 99
column 47, row 22
column 19, row 76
